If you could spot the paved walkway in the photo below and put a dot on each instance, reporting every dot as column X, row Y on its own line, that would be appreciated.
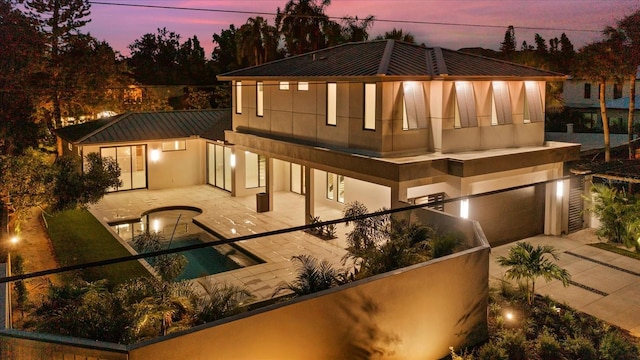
column 232, row 217
column 604, row 284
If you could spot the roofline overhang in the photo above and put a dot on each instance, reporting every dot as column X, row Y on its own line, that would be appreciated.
column 388, row 172
column 383, row 78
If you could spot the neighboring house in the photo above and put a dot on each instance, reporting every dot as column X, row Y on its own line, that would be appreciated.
column 584, row 96
column 388, row 123
column 154, row 150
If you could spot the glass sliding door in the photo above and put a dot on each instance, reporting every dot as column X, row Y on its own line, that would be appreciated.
column 219, row 166
column 132, row 161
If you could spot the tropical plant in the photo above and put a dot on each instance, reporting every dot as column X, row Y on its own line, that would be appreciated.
column 617, row 213
column 630, row 29
column 301, row 24
column 524, row 261
column 398, row 34
column 312, row 276
column 257, row 42
column 614, row 346
column 221, row 300
column 382, row 243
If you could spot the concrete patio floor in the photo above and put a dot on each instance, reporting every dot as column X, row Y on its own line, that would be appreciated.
column 232, row 217
column 604, row 284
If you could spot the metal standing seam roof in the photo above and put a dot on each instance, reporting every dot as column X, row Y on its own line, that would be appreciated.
column 388, row 58
column 144, row 126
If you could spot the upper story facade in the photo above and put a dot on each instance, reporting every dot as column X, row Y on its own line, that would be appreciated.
column 388, row 98
column 581, row 93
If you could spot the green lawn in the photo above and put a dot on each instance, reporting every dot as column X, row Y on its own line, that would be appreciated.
column 78, row 238
column 615, row 249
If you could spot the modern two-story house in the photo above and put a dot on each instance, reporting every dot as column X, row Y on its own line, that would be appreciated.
column 388, row 123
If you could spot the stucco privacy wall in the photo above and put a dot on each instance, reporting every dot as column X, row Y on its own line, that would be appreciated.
column 415, row 313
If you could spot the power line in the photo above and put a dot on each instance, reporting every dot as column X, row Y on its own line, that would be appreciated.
column 419, row 22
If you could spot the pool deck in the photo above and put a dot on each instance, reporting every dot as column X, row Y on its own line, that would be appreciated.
column 232, row 217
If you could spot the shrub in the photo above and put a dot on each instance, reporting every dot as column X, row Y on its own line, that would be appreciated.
column 446, row 244
column 492, row 351
column 614, row 346
column 547, row 346
column 580, row 348
column 515, row 344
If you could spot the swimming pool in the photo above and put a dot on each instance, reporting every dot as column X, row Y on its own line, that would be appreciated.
column 177, row 224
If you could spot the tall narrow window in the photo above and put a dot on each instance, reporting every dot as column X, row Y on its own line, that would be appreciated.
column 260, row 98
column 500, row 104
column 414, row 110
column 532, row 103
column 617, row 91
column 331, row 103
column 238, row 97
column 341, row 188
column 587, row 91
column 331, row 186
column 464, row 105
column 370, row 106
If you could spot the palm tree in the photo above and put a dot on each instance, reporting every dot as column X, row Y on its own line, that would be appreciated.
column 398, row 34
column 630, row 27
column 356, row 29
column 221, row 300
column 313, row 276
column 301, row 24
column 257, row 41
column 599, row 62
column 527, row 262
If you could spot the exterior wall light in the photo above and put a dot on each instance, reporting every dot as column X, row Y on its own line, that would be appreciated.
column 155, row 155
column 559, row 188
column 464, row 208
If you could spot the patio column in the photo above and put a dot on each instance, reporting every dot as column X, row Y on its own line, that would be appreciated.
column 270, row 181
column 556, row 207
column 309, row 195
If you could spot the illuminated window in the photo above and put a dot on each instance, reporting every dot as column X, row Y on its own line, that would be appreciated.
column 260, row 99
column 331, row 186
column 414, row 110
column 341, row 188
column 464, row 105
column 370, row 106
column 500, row 104
column 303, row 86
column 239, row 97
column 174, row 145
column 284, row 85
column 532, row 103
column 331, row 103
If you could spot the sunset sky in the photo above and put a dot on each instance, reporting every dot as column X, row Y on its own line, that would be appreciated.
column 581, row 20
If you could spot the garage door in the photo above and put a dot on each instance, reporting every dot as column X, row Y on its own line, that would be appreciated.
column 510, row 215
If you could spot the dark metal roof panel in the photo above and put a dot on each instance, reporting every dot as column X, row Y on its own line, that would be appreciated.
column 404, row 59
column 463, row 64
column 150, row 126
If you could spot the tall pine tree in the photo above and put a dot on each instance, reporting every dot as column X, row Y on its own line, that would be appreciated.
column 59, row 21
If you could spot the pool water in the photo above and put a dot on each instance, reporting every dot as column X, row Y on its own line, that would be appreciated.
column 179, row 224
column 202, row 262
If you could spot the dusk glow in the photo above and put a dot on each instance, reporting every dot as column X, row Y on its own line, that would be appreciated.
column 122, row 25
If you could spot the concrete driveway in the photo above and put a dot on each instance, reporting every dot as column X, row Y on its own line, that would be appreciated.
column 603, row 284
